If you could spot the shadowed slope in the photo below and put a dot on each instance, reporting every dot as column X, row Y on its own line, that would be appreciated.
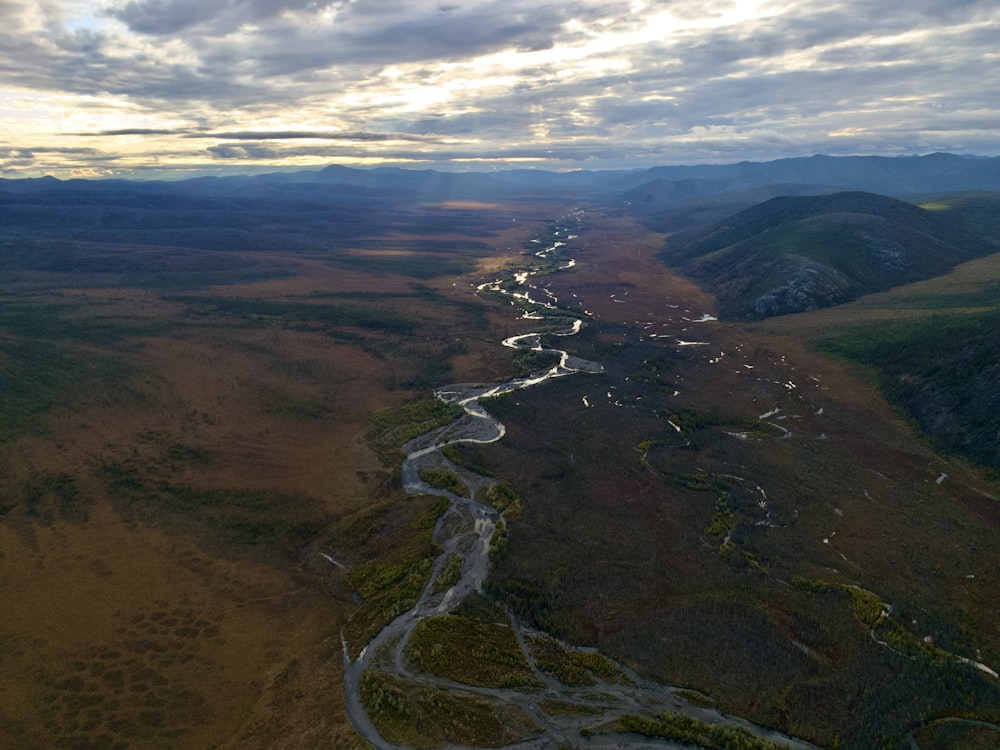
column 793, row 254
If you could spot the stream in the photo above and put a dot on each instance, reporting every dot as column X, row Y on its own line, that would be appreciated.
column 467, row 529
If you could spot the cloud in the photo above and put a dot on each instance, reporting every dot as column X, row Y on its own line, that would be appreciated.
column 285, row 135
column 425, row 79
column 19, row 159
column 126, row 131
column 255, row 152
column 16, row 158
column 163, row 17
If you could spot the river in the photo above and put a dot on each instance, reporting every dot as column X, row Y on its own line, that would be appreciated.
column 467, row 529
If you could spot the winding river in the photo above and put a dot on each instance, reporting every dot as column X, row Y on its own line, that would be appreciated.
column 467, row 529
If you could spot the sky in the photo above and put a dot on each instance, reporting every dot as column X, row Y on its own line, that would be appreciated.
column 172, row 88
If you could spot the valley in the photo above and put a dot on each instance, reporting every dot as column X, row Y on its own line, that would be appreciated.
column 753, row 479
column 206, row 515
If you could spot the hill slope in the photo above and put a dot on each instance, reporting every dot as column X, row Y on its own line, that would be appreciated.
column 792, row 254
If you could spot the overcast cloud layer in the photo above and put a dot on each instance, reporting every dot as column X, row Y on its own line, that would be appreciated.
column 189, row 86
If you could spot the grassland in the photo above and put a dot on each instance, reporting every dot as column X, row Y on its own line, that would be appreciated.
column 420, row 717
column 930, row 347
column 185, row 394
column 573, row 668
column 196, row 499
column 470, row 651
column 689, row 732
column 398, row 554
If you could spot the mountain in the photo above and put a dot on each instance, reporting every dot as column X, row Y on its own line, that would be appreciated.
column 891, row 175
column 682, row 198
column 896, row 176
column 796, row 253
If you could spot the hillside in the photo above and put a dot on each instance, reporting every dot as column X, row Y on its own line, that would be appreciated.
column 943, row 370
column 792, row 254
column 893, row 175
column 932, row 347
column 685, row 198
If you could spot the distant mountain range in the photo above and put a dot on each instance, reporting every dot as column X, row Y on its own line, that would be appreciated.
column 797, row 253
column 806, row 236
column 641, row 188
column 878, row 174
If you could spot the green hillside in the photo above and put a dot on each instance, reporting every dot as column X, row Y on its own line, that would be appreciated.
column 943, row 370
column 933, row 348
column 793, row 254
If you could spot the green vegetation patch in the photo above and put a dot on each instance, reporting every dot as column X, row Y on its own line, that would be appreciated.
column 986, row 295
column 443, row 479
column 502, row 497
column 695, row 698
column 936, row 684
column 866, row 606
column 977, row 212
column 405, row 578
column 573, row 668
column 679, row 728
column 356, row 530
column 258, row 517
column 392, row 589
column 699, row 481
column 565, row 708
column 467, row 456
column 527, row 361
column 942, row 370
column 55, row 355
column 402, row 560
column 723, row 521
column 281, row 403
column 533, row 603
column 478, row 607
column 470, row 651
column 689, row 421
column 409, row 245
column 395, row 426
column 655, row 373
column 449, row 575
column 499, row 542
column 47, row 497
column 234, row 520
column 422, row 717
column 966, row 734
column 427, row 520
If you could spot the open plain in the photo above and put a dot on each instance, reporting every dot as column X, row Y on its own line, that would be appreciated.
column 201, row 492
column 171, row 450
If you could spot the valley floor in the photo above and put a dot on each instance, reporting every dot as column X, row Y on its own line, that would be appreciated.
column 196, row 505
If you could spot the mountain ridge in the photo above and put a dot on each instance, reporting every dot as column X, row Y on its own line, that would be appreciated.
column 897, row 175
column 797, row 253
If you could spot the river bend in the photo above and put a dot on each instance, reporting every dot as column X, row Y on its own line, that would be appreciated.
column 467, row 529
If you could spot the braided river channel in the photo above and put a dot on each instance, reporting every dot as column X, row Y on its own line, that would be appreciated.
column 466, row 531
